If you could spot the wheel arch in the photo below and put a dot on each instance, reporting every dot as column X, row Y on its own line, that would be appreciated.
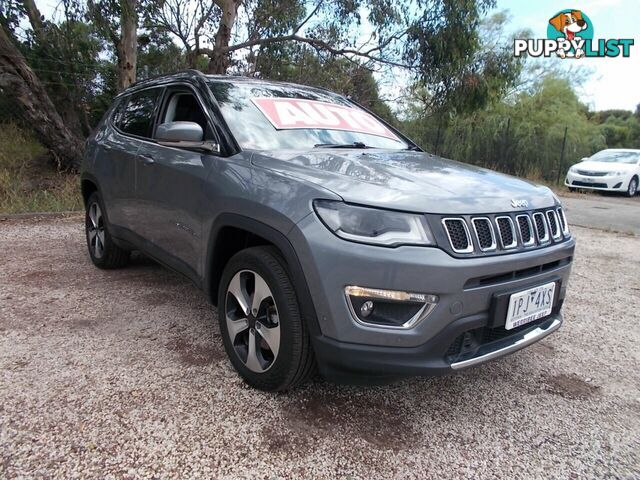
column 232, row 233
column 88, row 185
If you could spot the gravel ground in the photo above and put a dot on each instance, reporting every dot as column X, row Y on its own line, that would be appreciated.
column 122, row 374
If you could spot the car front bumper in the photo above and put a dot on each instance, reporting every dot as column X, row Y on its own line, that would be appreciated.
column 612, row 183
column 466, row 288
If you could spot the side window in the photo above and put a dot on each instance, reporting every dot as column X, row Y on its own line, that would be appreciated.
column 116, row 116
column 137, row 116
column 183, row 106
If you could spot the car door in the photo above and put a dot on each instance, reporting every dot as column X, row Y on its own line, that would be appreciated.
column 116, row 167
column 170, row 184
column 132, row 126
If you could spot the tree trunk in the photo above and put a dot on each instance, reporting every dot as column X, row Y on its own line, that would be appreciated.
column 219, row 61
column 127, row 48
column 36, row 107
column 35, row 18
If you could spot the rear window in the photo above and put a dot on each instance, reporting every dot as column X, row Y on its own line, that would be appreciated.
column 137, row 113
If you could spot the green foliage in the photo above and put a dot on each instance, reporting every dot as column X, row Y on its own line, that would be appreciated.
column 29, row 186
column 621, row 129
column 65, row 57
column 523, row 138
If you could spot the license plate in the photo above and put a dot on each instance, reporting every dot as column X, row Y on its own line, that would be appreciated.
column 589, row 180
column 530, row 305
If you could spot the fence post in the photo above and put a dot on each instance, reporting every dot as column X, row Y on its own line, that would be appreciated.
column 505, row 139
column 438, row 136
column 561, row 164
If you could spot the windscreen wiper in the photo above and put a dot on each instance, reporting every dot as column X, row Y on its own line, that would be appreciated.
column 341, row 145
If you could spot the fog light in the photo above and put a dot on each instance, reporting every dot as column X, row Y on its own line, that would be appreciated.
column 389, row 308
column 366, row 308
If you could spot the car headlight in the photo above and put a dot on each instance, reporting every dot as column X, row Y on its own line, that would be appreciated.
column 616, row 174
column 373, row 225
column 573, row 170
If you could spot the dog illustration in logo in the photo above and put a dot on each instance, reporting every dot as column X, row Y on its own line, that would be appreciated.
column 569, row 24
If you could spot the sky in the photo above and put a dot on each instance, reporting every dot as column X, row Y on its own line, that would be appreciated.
column 614, row 82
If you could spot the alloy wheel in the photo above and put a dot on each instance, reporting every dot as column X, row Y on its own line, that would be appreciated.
column 95, row 230
column 633, row 187
column 252, row 321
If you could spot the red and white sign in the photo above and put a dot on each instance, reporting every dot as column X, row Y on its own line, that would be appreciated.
column 294, row 113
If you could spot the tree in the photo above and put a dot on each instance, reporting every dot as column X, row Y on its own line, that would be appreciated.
column 117, row 21
column 36, row 106
column 423, row 36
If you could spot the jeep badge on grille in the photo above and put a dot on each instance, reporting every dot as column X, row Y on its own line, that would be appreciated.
column 515, row 203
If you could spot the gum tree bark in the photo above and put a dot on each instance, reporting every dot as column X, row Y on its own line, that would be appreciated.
column 127, row 48
column 36, row 107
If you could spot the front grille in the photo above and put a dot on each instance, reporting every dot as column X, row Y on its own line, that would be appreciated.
column 541, row 227
column 592, row 174
column 484, row 234
column 503, row 233
column 577, row 183
column 458, row 234
column 507, row 232
column 553, row 224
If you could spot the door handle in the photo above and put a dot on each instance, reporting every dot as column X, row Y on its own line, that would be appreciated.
column 147, row 159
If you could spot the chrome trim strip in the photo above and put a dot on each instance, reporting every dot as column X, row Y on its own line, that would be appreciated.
column 532, row 233
column 494, row 244
column 513, row 244
column 469, row 249
column 526, row 340
column 546, row 237
column 558, row 226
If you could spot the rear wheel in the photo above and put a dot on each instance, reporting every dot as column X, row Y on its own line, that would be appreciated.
column 263, row 332
column 103, row 251
column 633, row 187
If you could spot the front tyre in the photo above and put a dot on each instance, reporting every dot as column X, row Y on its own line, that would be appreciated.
column 103, row 251
column 263, row 333
column 633, row 187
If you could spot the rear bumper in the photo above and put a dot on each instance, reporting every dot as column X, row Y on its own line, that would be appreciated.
column 354, row 363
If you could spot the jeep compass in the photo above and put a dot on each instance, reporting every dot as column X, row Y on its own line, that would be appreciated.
column 327, row 239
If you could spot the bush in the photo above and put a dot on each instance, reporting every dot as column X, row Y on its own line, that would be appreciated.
column 28, row 181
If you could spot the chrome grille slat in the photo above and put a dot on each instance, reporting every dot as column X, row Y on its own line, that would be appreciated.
column 525, row 227
column 542, row 231
column 506, row 232
column 554, row 224
column 458, row 233
column 485, row 235
column 563, row 221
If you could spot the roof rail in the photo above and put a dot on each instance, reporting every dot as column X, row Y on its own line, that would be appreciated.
column 189, row 73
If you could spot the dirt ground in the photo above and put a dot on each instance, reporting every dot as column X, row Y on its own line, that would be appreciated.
column 122, row 374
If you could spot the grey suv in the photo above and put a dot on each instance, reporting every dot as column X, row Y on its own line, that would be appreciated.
column 327, row 239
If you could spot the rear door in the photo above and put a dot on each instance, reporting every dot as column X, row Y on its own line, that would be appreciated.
column 116, row 168
column 171, row 184
column 132, row 126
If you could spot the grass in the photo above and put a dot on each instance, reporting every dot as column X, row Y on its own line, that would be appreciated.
column 28, row 180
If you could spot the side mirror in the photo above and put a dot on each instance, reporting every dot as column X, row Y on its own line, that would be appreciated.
column 184, row 135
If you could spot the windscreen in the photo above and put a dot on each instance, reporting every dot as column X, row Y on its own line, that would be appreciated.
column 278, row 117
column 612, row 156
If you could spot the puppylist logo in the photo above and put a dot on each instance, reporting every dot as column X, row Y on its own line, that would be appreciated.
column 570, row 35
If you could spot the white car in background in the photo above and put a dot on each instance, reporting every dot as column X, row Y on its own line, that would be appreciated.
column 612, row 170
